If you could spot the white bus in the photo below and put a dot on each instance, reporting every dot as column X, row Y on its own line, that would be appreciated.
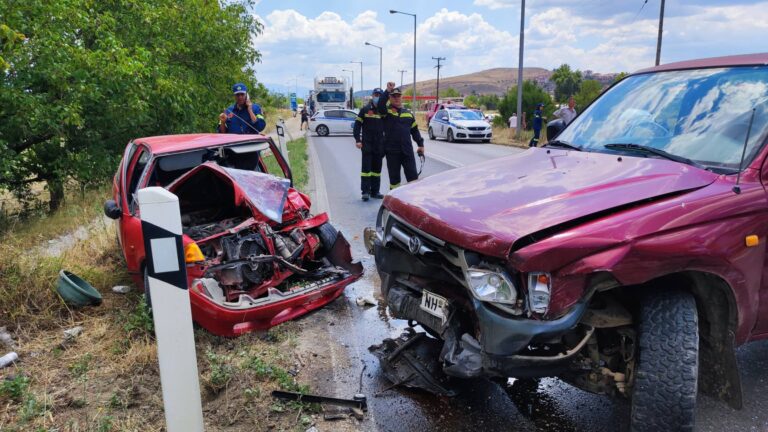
column 331, row 93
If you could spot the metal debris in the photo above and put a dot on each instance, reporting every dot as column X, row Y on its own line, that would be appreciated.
column 358, row 401
column 8, row 359
column 71, row 334
column 121, row 289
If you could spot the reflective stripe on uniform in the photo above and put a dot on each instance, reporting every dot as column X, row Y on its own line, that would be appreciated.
column 375, row 174
column 358, row 119
column 414, row 125
column 372, row 116
column 392, row 186
column 365, row 174
column 406, row 115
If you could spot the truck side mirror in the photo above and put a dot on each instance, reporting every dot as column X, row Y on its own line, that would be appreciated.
column 554, row 128
column 112, row 210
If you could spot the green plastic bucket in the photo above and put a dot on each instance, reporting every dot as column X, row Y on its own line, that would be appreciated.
column 75, row 291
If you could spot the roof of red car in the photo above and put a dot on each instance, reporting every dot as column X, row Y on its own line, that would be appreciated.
column 174, row 143
column 735, row 60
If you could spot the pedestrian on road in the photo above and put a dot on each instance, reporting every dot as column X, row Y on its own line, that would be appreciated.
column 311, row 107
column 513, row 122
column 567, row 114
column 370, row 123
column 242, row 117
column 537, row 123
column 304, row 119
column 399, row 127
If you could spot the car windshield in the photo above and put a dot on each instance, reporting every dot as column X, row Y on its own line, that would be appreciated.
column 265, row 191
column 466, row 115
column 702, row 115
column 331, row 96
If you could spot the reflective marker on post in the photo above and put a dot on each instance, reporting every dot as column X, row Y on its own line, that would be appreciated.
column 171, row 310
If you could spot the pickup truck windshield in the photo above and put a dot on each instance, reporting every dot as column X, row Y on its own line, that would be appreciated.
column 702, row 115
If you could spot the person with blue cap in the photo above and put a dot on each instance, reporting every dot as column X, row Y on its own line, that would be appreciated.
column 244, row 116
column 370, row 123
column 537, row 123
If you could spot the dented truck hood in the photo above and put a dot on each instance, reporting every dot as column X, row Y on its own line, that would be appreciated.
column 488, row 206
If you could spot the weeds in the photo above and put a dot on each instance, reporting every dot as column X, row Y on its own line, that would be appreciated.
column 80, row 368
column 221, row 371
column 14, row 387
column 139, row 321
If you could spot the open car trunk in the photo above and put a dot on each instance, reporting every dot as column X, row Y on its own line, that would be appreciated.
column 264, row 257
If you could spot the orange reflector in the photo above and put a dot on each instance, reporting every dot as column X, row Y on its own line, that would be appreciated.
column 752, row 240
column 192, row 253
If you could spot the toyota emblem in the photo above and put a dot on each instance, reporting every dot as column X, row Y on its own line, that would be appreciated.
column 414, row 245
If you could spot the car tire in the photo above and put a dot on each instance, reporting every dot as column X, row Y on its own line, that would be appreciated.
column 431, row 133
column 666, row 381
column 328, row 234
column 322, row 130
column 449, row 136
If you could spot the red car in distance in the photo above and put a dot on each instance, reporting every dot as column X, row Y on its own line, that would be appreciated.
column 256, row 256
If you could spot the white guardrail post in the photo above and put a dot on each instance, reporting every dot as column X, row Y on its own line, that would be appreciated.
column 171, row 310
column 282, row 145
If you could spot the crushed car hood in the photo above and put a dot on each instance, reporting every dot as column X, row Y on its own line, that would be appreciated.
column 264, row 192
column 488, row 206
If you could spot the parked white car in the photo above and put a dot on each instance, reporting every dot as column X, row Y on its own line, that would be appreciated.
column 461, row 124
column 335, row 121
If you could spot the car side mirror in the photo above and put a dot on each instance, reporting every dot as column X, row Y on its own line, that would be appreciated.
column 112, row 210
column 554, row 128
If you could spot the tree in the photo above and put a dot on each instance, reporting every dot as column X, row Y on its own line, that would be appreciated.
column 490, row 101
column 532, row 95
column 620, row 76
column 567, row 82
column 472, row 101
column 409, row 92
column 91, row 75
column 449, row 92
column 590, row 89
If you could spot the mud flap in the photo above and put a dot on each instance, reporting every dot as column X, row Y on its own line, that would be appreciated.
column 341, row 255
column 411, row 360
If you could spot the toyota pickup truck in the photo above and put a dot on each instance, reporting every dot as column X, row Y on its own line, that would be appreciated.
column 626, row 257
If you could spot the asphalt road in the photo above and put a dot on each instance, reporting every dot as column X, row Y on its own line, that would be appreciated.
column 555, row 406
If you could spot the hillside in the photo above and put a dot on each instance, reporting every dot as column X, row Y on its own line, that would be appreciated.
column 490, row 81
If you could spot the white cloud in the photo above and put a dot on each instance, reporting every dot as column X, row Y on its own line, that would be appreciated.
column 495, row 4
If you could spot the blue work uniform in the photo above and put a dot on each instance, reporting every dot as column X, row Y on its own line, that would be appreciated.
column 239, row 121
column 537, row 123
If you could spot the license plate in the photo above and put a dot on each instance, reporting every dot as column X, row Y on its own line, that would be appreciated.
column 434, row 304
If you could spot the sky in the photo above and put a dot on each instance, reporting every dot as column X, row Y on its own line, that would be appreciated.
column 305, row 39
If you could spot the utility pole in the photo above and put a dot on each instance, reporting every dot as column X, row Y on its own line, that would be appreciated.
column 661, row 29
column 520, row 74
column 401, row 76
column 439, row 59
column 380, row 60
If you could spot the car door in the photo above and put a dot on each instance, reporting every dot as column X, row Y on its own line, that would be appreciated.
column 334, row 121
column 130, row 224
column 350, row 117
column 442, row 117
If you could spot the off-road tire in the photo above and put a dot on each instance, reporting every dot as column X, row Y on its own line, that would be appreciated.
column 666, row 381
column 322, row 130
column 431, row 133
column 450, row 135
column 328, row 234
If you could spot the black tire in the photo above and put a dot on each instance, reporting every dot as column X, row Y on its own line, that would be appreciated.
column 666, row 382
column 328, row 234
column 322, row 130
column 431, row 133
column 450, row 135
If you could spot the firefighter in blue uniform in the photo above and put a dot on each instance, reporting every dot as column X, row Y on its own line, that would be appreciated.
column 537, row 123
column 242, row 117
column 399, row 127
column 370, row 123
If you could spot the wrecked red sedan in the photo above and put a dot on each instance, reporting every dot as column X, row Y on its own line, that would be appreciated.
column 256, row 256
column 627, row 257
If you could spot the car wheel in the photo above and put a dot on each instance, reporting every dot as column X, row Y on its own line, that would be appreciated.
column 450, row 135
column 328, row 234
column 322, row 130
column 666, row 382
column 431, row 133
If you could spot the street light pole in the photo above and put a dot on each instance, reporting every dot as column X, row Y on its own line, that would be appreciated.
column 439, row 59
column 414, row 54
column 401, row 76
column 661, row 28
column 520, row 74
column 380, row 59
column 361, row 74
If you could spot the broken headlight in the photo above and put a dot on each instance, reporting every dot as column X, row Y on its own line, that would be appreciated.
column 491, row 286
column 539, row 289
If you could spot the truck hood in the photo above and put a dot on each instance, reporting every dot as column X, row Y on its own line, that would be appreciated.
column 488, row 206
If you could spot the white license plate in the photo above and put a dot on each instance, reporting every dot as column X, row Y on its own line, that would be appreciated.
column 434, row 304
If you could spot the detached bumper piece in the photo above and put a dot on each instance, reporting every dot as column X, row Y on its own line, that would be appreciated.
column 411, row 360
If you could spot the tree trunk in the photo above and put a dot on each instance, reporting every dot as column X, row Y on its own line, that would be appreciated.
column 56, row 189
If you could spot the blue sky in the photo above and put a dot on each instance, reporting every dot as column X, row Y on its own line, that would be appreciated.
column 304, row 39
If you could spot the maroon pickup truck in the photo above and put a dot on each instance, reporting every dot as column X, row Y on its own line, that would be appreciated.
column 626, row 257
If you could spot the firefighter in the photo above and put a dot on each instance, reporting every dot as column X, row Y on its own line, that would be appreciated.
column 537, row 123
column 399, row 127
column 369, row 122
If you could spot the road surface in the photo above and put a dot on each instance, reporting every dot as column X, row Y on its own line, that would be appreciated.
column 345, row 330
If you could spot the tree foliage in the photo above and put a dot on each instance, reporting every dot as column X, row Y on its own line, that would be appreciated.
column 83, row 77
column 567, row 82
column 590, row 89
column 620, row 76
column 449, row 92
column 532, row 95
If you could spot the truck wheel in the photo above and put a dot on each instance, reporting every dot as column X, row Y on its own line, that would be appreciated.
column 450, row 135
column 431, row 134
column 664, row 393
column 322, row 130
column 327, row 234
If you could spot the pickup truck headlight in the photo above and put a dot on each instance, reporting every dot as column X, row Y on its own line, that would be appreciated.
column 539, row 289
column 491, row 286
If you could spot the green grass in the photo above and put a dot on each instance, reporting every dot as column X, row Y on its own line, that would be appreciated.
column 297, row 152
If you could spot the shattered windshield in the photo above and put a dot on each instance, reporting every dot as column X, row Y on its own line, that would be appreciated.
column 266, row 192
column 702, row 115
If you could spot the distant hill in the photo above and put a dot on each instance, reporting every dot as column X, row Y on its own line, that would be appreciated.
column 490, row 81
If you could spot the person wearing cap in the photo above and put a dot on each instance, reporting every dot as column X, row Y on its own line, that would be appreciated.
column 537, row 123
column 369, row 123
column 242, row 117
column 399, row 127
